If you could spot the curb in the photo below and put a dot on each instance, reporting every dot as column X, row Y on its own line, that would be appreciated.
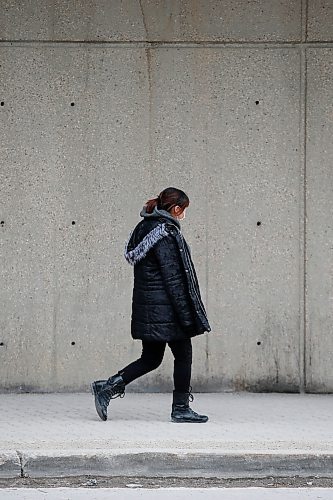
column 164, row 464
column 10, row 464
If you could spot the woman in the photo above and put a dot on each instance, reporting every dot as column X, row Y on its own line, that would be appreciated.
column 166, row 303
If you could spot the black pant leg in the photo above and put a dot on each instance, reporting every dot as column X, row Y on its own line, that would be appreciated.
column 151, row 358
column 182, row 351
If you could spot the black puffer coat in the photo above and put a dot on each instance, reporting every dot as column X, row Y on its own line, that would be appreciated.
column 166, row 300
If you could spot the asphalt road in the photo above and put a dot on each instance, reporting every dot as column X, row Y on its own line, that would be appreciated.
column 135, row 493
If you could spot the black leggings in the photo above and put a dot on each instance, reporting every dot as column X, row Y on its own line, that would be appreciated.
column 152, row 356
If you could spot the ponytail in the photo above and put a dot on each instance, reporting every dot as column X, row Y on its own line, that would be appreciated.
column 167, row 199
column 151, row 204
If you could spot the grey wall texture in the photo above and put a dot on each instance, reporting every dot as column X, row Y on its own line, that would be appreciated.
column 105, row 103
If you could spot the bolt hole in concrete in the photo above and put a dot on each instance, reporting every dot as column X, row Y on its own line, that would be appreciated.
column 73, row 343
column 72, row 103
column 73, row 222
column 259, row 343
column 2, row 103
column 257, row 102
column 258, row 223
column 1, row 343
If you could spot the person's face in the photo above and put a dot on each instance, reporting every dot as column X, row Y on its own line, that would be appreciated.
column 178, row 213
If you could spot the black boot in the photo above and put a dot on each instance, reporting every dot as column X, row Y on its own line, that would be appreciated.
column 181, row 411
column 104, row 390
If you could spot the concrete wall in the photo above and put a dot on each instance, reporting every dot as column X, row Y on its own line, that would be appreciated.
column 106, row 103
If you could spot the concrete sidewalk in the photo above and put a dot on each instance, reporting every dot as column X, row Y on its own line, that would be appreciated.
column 247, row 435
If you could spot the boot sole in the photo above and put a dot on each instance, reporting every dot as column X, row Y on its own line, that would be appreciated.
column 97, row 405
column 188, row 421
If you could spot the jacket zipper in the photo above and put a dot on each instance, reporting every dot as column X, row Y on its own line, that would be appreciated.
column 192, row 275
column 191, row 271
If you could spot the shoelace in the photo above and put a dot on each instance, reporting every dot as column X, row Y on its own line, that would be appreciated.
column 118, row 395
column 190, row 395
column 115, row 392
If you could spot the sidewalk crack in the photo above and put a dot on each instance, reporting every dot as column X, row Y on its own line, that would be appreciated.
column 20, row 457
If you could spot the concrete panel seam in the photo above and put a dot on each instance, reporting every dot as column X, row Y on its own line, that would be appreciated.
column 303, row 352
column 304, row 20
column 302, row 221
column 305, row 216
column 143, row 18
column 207, row 280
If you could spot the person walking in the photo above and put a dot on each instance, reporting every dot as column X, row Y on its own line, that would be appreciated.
column 166, row 304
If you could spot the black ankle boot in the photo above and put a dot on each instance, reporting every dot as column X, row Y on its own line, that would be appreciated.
column 105, row 390
column 181, row 411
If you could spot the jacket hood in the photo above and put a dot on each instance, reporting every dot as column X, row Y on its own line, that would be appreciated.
column 159, row 212
column 136, row 250
column 133, row 254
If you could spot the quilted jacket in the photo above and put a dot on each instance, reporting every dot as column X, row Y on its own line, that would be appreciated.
column 166, row 300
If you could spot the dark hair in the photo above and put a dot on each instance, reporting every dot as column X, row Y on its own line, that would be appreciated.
column 168, row 198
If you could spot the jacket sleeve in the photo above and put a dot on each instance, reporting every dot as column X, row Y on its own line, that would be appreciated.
column 174, row 278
